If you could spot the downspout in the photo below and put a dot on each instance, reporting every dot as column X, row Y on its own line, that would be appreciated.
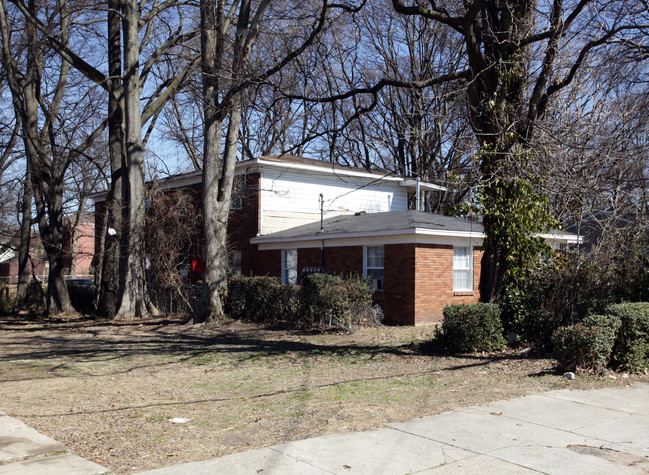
column 321, row 230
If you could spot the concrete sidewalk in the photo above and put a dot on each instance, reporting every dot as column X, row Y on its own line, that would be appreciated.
column 25, row 451
column 599, row 431
column 595, row 432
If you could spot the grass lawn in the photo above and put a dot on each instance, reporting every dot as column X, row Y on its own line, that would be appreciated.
column 109, row 390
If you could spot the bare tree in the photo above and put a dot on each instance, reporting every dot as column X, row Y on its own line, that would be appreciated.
column 47, row 165
column 152, row 33
column 232, row 62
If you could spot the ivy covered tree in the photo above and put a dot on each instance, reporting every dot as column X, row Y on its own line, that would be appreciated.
column 518, row 56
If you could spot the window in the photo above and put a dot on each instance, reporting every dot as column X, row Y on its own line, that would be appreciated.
column 462, row 269
column 235, row 262
column 236, row 202
column 289, row 266
column 373, row 265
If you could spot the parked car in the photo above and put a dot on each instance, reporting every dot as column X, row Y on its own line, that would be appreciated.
column 80, row 284
column 82, row 293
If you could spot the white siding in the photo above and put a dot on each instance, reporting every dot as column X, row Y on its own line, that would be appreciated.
column 292, row 198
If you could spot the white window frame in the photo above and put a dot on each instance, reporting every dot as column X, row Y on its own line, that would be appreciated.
column 379, row 284
column 286, row 279
column 236, row 202
column 468, row 269
column 236, row 198
column 234, row 257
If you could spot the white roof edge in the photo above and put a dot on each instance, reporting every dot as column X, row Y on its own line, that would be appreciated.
column 398, row 232
column 341, row 171
column 568, row 238
column 98, row 196
column 424, row 185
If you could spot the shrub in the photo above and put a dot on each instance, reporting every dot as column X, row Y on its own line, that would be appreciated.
column 260, row 299
column 588, row 345
column 35, row 297
column 360, row 292
column 560, row 294
column 631, row 350
column 322, row 300
column 471, row 328
column 6, row 302
column 331, row 300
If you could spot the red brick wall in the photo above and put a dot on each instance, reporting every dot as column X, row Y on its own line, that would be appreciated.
column 244, row 224
column 434, row 282
column 418, row 277
column 85, row 248
column 9, row 270
column 267, row 263
column 343, row 260
column 338, row 260
column 397, row 300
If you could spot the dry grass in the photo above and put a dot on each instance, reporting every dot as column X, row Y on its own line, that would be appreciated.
column 108, row 390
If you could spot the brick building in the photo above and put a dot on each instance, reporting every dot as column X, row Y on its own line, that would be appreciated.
column 289, row 213
column 419, row 262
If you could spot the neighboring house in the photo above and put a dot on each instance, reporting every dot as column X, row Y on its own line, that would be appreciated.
column 79, row 249
column 38, row 265
column 291, row 213
column 84, row 249
column 595, row 227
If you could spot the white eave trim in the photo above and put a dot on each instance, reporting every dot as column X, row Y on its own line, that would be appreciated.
column 408, row 183
column 564, row 238
column 372, row 234
column 412, row 185
column 177, row 181
column 415, row 235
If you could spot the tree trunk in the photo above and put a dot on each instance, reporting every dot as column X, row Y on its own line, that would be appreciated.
column 47, row 170
column 25, row 238
column 109, row 279
column 217, row 190
column 134, row 299
column 50, row 225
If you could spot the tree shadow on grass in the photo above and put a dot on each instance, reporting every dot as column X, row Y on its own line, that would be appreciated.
column 433, row 349
column 83, row 340
column 87, row 341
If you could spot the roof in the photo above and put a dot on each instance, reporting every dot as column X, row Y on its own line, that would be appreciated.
column 290, row 162
column 373, row 224
column 391, row 223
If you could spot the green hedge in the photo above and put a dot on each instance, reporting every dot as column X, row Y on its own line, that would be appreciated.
column 260, row 299
column 631, row 349
column 327, row 300
column 471, row 328
column 586, row 345
column 322, row 300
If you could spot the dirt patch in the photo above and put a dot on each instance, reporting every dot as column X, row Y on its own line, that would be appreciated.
column 109, row 391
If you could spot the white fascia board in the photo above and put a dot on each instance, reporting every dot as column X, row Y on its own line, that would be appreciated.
column 405, row 236
column 99, row 196
column 371, row 241
column 563, row 238
column 423, row 185
column 351, row 173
